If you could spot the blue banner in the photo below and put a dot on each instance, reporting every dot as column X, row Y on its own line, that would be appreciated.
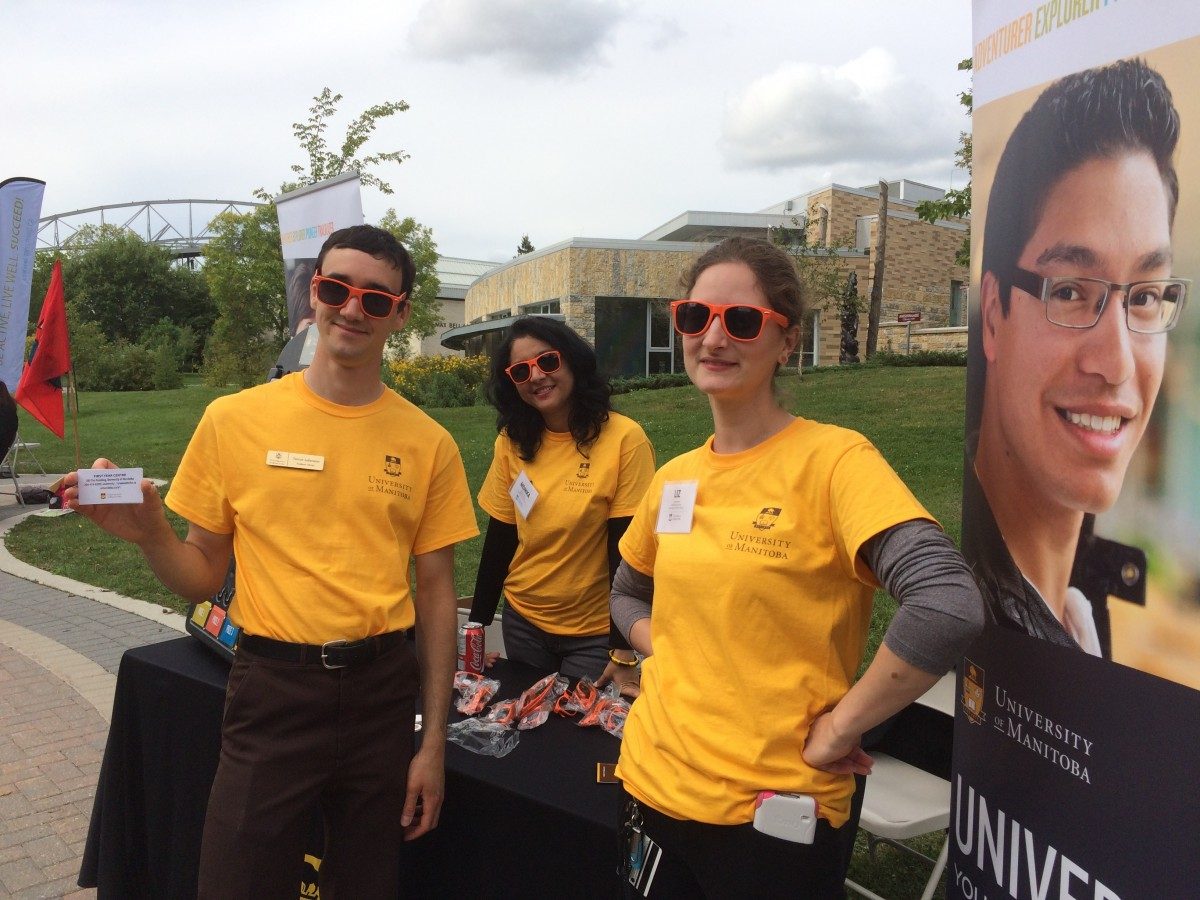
column 20, row 209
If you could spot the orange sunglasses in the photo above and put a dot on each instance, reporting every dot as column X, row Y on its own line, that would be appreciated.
column 521, row 372
column 741, row 321
column 376, row 304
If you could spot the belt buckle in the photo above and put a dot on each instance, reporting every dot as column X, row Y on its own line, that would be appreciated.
column 338, row 644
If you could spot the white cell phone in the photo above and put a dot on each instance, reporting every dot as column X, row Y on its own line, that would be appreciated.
column 790, row 817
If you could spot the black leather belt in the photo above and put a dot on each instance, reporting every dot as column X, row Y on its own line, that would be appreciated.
column 332, row 654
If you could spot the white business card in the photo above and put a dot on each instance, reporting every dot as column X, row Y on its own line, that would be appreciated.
column 99, row 486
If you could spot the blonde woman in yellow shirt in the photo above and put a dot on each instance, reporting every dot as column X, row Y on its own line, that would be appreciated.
column 566, row 475
column 747, row 577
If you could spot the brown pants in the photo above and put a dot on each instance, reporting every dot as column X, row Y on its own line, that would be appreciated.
column 297, row 735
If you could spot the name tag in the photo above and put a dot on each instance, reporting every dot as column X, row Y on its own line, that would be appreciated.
column 676, row 507
column 523, row 494
column 285, row 460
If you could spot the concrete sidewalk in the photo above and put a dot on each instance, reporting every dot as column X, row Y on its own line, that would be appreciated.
column 60, row 644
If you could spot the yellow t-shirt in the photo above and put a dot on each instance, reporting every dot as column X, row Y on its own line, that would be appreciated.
column 323, row 554
column 759, row 620
column 558, row 578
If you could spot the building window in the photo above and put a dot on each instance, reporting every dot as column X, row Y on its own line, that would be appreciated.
column 660, row 338
column 621, row 336
column 958, row 303
column 807, row 353
column 551, row 306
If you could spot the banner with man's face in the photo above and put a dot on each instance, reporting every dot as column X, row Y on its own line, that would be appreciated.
column 1078, row 735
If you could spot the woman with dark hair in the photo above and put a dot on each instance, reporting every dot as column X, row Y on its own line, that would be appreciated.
column 747, row 578
column 566, row 475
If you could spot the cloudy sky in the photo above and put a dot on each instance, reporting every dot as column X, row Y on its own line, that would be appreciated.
column 560, row 118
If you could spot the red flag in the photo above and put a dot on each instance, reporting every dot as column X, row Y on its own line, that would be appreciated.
column 40, row 390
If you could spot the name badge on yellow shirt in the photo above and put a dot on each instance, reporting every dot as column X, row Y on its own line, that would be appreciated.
column 285, row 460
column 676, row 507
column 523, row 494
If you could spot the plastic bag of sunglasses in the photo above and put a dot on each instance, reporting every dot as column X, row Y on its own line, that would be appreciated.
column 579, row 699
column 533, row 707
column 612, row 718
column 474, row 692
column 484, row 738
column 609, row 712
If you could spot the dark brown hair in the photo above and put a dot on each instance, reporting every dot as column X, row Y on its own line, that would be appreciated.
column 773, row 270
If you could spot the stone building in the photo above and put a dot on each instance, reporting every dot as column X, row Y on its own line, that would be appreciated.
column 616, row 292
column 455, row 275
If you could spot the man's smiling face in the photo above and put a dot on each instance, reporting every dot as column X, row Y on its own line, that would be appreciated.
column 1064, row 409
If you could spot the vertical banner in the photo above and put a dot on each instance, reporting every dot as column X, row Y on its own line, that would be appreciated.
column 306, row 218
column 1077, row 738
column 20, row 209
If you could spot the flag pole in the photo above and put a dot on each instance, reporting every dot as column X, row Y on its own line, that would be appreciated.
column 74, row 404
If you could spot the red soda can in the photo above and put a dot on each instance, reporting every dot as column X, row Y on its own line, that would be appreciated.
column 470, row 648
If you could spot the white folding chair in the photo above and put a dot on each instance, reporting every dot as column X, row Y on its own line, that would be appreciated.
column 25, row 447
column 8, row 469
column 902, row 801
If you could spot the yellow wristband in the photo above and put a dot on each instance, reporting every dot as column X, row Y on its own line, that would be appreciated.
column 612, row 655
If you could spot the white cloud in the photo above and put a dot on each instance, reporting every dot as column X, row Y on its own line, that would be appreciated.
column 864, row 112
column 547, row 36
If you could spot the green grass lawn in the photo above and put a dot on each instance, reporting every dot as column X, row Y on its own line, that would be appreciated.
column 913, row 415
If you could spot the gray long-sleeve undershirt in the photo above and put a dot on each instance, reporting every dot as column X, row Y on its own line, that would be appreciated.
column 941, row 610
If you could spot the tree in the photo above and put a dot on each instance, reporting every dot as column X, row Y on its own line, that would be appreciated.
column 426, row 315
column 324, row 163
column 880, row 262
column 957, row 202
column 244, row 271
column 848, row 308
column 525, row 246
column 125, row 285
column 820, row 266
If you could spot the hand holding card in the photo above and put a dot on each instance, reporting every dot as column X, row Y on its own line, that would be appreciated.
column 129, row 509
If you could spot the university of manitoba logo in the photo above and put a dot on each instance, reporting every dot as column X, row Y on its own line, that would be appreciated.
column 585, row 469
column 391, row 465
column 972, row 694
column 766, row 519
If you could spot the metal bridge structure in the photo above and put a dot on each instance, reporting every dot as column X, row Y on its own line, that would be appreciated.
column 181, row 226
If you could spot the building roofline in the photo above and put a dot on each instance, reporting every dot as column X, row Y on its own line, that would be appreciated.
column 584, row 243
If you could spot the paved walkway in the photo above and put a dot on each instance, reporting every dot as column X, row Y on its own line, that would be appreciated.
column 60, row 644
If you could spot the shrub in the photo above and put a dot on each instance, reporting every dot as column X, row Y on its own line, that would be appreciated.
column 104, row 365
column 648, row 382
column 225, row 365
column 438, row 380
column 125, row 367
column 166, row 368
column 88, row 347
column 920, row 358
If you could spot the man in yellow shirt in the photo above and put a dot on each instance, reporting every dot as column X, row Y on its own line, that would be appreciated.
column 325, row 485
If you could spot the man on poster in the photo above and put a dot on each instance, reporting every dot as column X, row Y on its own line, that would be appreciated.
column 1076, row 299
column 326, row 485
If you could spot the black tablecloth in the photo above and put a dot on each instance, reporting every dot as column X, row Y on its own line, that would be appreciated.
column 144, row 839
column 534, row 823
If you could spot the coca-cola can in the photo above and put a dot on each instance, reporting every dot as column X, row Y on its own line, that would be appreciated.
column 470, row 648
